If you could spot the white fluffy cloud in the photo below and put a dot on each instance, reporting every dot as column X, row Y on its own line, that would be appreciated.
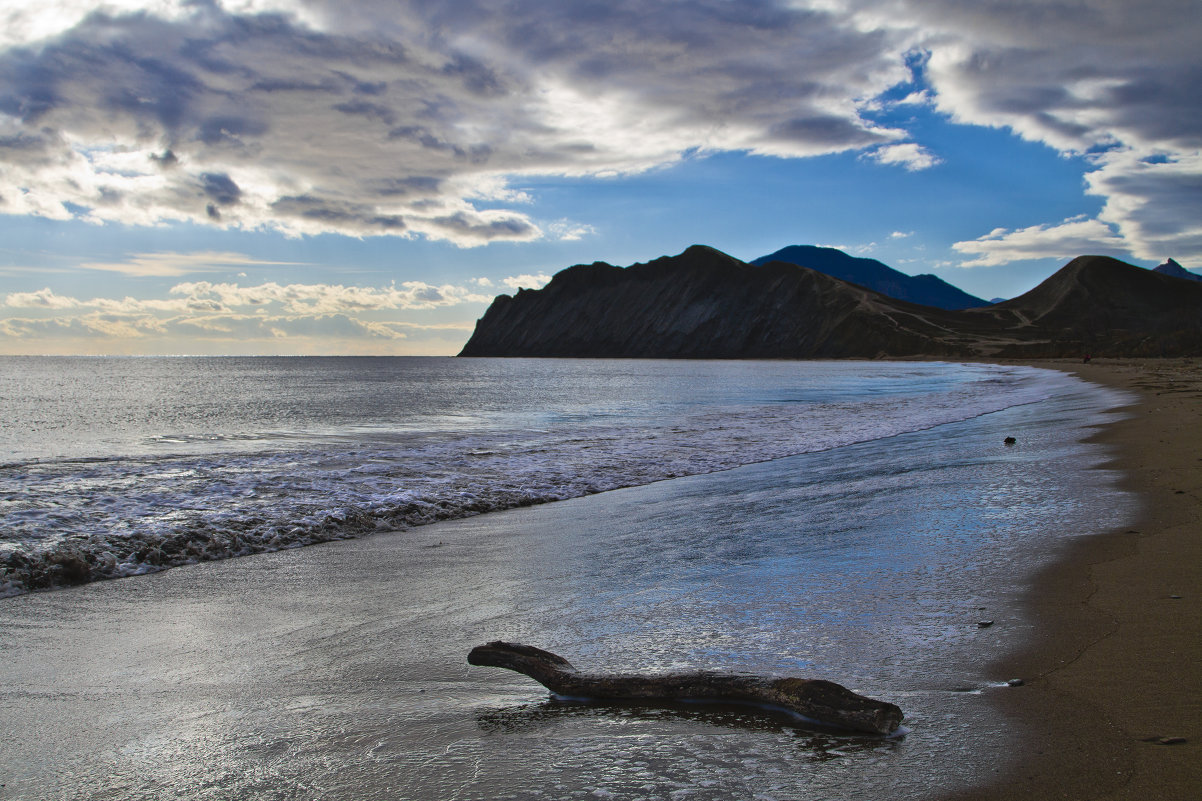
column 203, row 317
column 325, row 298
column 909, row 155
column 526, row 281
column 1073, row 237
column 1152, row 212
column 223, row 332
column 306, row 299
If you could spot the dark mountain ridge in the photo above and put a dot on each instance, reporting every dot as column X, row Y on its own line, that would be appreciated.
column 1171, row 267
column 700, row 304
column 926, row 289
column 706, row 304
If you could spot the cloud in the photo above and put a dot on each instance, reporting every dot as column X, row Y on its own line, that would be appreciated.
column 409, row 118
column 412, row 118
column 568, row 231
column 206, row 317
column 909, row 155
column 1156, row 202
column 1111, row 81
column 170, row 264
column 526, row 281
column 42, row 299
column 313, row 299
column 218, row 327
column 1073, row 237
column 294, row 299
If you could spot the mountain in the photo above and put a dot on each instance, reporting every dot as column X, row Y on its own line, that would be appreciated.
column 701, row 304
column 926, row 289
column 1174, row 269
column 1102, row 304
column 706, row 304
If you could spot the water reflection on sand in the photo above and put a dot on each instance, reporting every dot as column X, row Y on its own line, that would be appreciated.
column 339, row 672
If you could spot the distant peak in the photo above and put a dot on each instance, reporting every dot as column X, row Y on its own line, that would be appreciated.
column 697, row 255
column 705, row 251
column 1172, row 268
column 926, row 289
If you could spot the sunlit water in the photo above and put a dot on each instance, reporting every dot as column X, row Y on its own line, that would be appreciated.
column 117, row 467
column 339, row 671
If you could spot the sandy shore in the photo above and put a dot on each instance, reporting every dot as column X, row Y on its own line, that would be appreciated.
column 1113, row 684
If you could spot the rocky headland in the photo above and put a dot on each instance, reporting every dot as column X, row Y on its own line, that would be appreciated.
column 706, row 304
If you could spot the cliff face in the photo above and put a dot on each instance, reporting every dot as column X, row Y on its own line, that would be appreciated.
column 706, row 304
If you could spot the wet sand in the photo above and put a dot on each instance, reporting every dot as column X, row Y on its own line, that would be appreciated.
column 186, row 697
column 339, row 671
column 1112, row 700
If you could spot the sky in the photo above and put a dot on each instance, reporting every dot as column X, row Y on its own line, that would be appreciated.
column 364, row 176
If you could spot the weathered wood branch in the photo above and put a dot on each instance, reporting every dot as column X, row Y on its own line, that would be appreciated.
column 821, row 701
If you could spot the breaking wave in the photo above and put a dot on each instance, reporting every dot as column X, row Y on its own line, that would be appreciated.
column 69, row 521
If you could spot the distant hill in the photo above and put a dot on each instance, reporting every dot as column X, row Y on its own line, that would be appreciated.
column 1174, row 269
column 926, row 289
column 1106, row 305
column 706, row 304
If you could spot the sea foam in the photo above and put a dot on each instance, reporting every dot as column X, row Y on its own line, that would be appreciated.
column 71, row 520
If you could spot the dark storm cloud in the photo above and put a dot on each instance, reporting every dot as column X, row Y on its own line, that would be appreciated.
column 416, row 185
column 365, row 109
column 826, row 130
column 220, row 188
column 229, row 129
column 166, row 160
column 462, row 226
column 346, row 216
column 23, row 145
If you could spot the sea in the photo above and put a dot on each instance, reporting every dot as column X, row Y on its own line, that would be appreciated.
column 166, row 634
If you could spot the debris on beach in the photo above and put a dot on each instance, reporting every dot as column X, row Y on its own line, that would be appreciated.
column 823, row 702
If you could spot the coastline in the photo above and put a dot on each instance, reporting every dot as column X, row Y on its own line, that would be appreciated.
column 1111, row 705
column 1109, row 666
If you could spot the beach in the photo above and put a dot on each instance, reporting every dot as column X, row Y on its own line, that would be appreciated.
column 1111, row 704
column 338, row 670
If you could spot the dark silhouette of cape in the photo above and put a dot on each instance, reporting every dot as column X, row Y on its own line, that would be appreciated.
column 926, row 289
column 704, row 304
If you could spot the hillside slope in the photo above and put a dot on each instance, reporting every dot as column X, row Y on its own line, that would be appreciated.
column 1102, row 304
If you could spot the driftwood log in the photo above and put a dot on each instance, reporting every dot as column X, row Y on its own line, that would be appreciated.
column 821, row 701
